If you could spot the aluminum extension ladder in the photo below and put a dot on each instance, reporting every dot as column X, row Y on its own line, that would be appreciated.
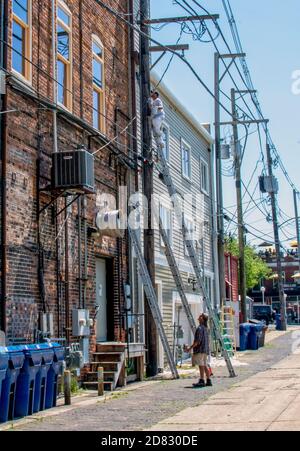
column 153, row 301
column 166, row 176
column 176, row 275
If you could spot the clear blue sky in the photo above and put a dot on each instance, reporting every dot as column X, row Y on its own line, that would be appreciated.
column 270, row 36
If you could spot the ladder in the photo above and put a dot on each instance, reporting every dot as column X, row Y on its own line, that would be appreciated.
column 166, row 176
column 152, row 300
column 177, row 276
column 228, row 329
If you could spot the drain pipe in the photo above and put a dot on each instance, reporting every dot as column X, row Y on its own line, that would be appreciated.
column 3, row 154
column 55, row 147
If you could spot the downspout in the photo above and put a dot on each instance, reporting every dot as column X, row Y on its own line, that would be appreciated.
column 55, row 147
column 79, row 255
column 134, row 180
column 67, row 281
column 3, row 144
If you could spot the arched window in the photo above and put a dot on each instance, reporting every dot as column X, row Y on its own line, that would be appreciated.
column 98, row 85
column 21, row 38
column 64, row 55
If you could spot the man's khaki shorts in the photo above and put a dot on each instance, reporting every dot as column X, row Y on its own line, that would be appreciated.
column 199, row 360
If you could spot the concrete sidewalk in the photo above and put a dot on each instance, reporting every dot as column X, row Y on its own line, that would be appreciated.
column 267, row 401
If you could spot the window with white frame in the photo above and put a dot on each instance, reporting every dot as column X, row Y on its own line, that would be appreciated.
column 98, row 85
column 186, row 159
column 64, row 55
column 21, row 37
column 166, row 140
column 208, row 287
column 190, row 225
column 204, row 177
column 166, row 219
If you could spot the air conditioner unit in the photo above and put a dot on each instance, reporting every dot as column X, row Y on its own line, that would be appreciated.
column 73, row 170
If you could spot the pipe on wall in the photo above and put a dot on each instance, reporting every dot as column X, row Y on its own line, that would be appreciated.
column 3, row 153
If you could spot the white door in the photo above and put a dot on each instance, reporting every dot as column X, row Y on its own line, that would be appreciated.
column 101, row 300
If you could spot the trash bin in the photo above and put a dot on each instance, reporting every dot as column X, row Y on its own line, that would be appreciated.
column 244, row 336
column 26, row 381
column 278, row 321
column 10, row 383
column 255, row 335
column 41, row 378
column 3, row 367
column 262, row 329
column 53, row 373
column 262, row 338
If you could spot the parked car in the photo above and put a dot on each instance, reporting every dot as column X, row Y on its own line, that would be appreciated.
column 263, row 313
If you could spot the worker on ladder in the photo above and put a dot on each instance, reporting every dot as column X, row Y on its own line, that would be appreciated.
column 157, row 117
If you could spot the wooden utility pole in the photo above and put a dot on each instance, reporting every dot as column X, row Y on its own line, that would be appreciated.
column 149, row 250
column 297, row 223
column 241, row 229
column 220, row 210
column 277, row 243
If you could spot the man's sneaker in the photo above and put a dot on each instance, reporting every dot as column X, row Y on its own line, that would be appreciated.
column 209, row 383
column 200, row 384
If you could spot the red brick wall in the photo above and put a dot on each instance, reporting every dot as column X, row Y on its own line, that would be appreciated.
column 31, row 140
column 232, row 276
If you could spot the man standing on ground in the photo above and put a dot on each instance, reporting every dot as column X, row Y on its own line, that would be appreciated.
column 200, row 349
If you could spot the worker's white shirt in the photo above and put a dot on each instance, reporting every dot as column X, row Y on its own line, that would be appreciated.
column 157, row 107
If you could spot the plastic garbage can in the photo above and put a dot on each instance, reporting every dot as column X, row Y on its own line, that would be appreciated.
column 255, row 333
column 244, row 336
column 3, row 367
column 26, row 381
column 278, row 321
column 53, row 373
column 41, row 378
column 262, row 338
column 262, row 329
column 10, row 383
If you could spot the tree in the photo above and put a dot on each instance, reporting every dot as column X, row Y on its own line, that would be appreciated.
column 256, row 268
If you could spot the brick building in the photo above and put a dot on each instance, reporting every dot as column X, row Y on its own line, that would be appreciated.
column 232, row 277
column 65, row 67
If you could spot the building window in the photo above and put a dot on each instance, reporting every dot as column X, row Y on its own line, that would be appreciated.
column 166, row 139
column 186, row 160
column 208, row 288
column 166, row 219
column 189, row 223
column 98, row 86
column 64, row 56
column 204, row 177
column 21, row 38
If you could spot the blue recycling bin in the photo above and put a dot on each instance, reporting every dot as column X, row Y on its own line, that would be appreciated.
column 244, row 336
column 278, row 321
column 26, row 381
column 256, row 332
column 16, row 359
column 53, row 373
column 3, row 366
column 41, row 378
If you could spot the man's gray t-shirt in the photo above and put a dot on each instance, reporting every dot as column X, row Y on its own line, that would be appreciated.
column 202, row 339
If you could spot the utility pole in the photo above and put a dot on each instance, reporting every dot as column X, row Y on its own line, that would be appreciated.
column 297, row 223
column 241, row 229
column 220, row 210
column 219, row 183
column 277, row 243
column 149, row 250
